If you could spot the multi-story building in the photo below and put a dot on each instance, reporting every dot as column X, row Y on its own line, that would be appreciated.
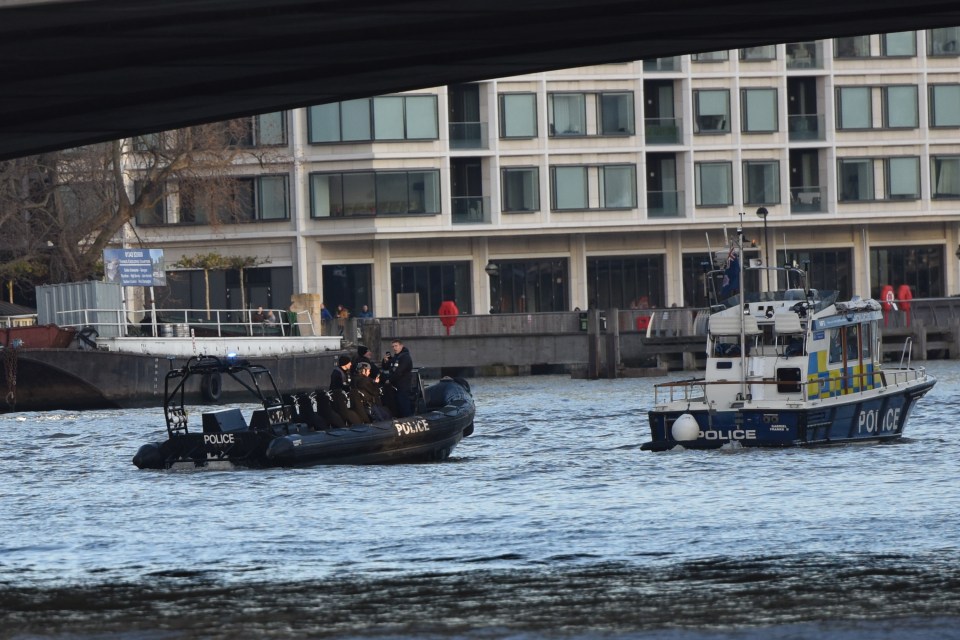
column 606, row 186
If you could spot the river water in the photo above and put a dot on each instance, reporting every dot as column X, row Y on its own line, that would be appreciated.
column 548, row 522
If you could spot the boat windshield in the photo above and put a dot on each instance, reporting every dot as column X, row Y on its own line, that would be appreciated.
column 765, row 284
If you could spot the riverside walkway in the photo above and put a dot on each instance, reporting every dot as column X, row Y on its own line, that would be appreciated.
column 614, row 342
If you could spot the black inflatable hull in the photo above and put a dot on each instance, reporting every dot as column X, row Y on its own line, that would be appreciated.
column 429, row 436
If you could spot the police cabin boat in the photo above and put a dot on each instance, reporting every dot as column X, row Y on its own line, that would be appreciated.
column 789, row 366
column 292, row 430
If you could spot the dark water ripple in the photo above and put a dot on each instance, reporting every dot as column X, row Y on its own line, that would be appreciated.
column 549, row 522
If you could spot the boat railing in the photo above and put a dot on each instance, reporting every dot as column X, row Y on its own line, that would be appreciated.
column 698, row 389
column 185, row 323
column 907, row 353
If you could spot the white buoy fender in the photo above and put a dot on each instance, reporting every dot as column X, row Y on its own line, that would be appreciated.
column 685, row 428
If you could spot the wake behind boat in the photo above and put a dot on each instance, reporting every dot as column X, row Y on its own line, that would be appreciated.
column 292, row 430
column 787, row 366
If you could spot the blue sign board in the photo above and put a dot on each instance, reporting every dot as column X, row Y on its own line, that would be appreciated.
column 134, row 267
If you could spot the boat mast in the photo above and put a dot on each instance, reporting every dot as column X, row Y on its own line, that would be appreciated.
column 743, row 309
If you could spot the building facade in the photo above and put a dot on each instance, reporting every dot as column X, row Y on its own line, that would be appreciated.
column 605, row 186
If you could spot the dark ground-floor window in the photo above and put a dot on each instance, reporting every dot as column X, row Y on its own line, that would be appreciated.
column 625, row 282
column 433, row 282
column 270, row 287
column 695, row 268
column 349, row 285
column 526, row 286
column 827, row 269
column 921, row 268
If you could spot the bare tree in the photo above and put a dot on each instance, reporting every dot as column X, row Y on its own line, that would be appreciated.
column 216, row 262
column 58, row 211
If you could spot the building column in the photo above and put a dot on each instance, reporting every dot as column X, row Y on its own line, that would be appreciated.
column 578, row 272
column 382, row 305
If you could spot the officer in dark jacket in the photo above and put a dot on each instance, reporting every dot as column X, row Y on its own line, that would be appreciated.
column 340, row 378
column 400, row 375
column 365, row 355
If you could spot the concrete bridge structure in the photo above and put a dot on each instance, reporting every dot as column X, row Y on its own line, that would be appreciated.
column 74, row 72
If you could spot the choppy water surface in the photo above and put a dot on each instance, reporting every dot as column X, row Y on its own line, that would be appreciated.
column 549, row 522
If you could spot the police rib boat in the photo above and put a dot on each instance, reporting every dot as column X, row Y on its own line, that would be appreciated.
column 786, row 366
column 289, row 431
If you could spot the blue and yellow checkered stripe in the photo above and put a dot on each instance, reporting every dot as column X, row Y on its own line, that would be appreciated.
column 828, row 383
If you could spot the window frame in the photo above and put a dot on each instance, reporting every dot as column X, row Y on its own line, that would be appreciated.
column 365, row 119
column 593, row 180
column 776, row 189
column 504, row 119
column 885, row 45
column 933, row 105
column 744, row 109
column 885, row 105
column 698, row 183
column 936, row 176
column 697, row 128
column 880, row 166
column 772, row 48
column 340, row 180
column 535, row 171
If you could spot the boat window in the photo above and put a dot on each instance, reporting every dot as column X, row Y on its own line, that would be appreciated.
column 866, row 341
column 853, row 342
column 836, row 349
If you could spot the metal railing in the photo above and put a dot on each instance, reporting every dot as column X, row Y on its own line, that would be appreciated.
column 179, row 323
column 468, row 135
column 663, row 130
column 697, row 390
column 470, row 209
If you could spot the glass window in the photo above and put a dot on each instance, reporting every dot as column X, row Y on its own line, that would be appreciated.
column 856, row 179
column 355, row 120
column 424, row 191
column 381, row 193
column 903, row 178
column 272, row 197
column 945, row 176
column 712, row 110
column 714, row 184
column 518, row 115
column 382, row 118
column 271, row 128
column 854, row 47
column 618, row 187
column 324, row 122
column 391, row 192
column 530, row 286
column 900, row 107
column 768, row 52
column 421, row 117
column 359, row 194
column 945, row 105
column 616, row 113
column 326, row 195
column 521, row 189
column 919, row 267
column 761, row 182
column 902, row 44
column 569, row 187
column 433, row 282
column 625, row 282
column 567, row 114
column 150, row 212
column 854, row 108
column 711, row 56
column 388, row 118
column 759, row 110
column 943, row 42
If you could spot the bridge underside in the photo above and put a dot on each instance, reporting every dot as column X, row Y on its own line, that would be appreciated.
column 82, row 71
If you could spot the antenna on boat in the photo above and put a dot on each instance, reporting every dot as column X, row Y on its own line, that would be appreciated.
column 744, row 309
